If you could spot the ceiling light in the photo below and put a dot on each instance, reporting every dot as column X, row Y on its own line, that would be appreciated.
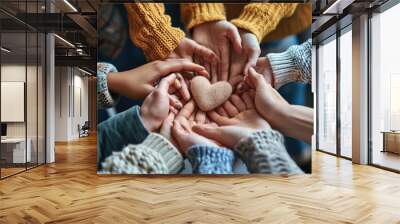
column 70, row 5
column 65, row 41
column 86, row 72
column 5, row 50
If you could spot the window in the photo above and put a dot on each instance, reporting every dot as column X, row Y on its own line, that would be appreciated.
column 385, row 89
column 346, row 75
column 327, row 96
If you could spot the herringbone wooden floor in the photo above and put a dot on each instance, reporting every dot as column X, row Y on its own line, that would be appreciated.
column 70, row 191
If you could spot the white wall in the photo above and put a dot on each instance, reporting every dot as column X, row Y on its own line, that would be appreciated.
column 70, row 83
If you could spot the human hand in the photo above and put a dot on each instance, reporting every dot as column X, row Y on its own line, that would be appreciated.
column 268, row 102
column 240, row 63
column 240, row 120
column 182, row 129
column 137, row 83
column 159, row 103
column 263, row 67
column 188, row 48
column 218, row 36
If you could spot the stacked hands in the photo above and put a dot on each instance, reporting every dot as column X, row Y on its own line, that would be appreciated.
column 219, row 52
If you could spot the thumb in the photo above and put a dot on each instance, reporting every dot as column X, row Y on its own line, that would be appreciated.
column 252, row 58
column 166, row 82
column 234, row 37
column 255, row 79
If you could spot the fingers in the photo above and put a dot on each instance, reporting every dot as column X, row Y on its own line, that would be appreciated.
column 187, row 109
column 224, row 65
column 234, row 37
column 203, row 52
column 234, row 80
column 220, row 120
column 221, row 111
column 255, row 79
column 184, row 90
column 174, row 101
column 248, row 100
column 166, row 82
column 230, row 108
column 238, row 102
column 179, row 65
column 251, row 61
column 166, row 126
column 200, row 117
column 214, row 72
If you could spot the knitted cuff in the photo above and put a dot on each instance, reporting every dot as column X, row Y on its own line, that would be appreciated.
column 265, row 152
column 169, row 154
column 151, row 30
column 195, row 14
column 262, row 18
column 283, row 68
column 104, row 97
column 134, row 159
column 210, row 159
column 293, row 65
column 269, row 136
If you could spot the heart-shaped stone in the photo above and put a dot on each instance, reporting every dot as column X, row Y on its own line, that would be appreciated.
column 209, row 96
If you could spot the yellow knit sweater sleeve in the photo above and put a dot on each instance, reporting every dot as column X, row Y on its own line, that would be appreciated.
column 194, row 14
column 262, row 18
column 151, row 30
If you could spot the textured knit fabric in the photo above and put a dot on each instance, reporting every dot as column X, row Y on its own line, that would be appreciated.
column 151, row 30
column 118, row 131
column 293, row 65
column 210, row 160
column 194, row 14
column 262, row 18
column 104, row 97
column 156, row 155
column 264, row 152
column 295, row 24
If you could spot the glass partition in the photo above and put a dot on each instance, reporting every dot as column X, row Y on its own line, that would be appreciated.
column 385, row 89
column 327, row 96
column 346, row 74
column 22, row 101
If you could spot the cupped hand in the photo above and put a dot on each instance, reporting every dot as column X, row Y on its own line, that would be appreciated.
column 239, row 121
column 240, row 63
column 137, row 83
column 218, row 36
column 158, row 104
column 188, row 48
column 268, row 102
column 182, row 128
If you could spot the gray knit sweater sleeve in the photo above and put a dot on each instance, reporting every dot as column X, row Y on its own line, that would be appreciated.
column 293, row 65
column 105, row 98
column 264, row 152
column 155, row 155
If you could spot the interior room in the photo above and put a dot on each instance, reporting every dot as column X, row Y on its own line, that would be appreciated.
column 49, row 114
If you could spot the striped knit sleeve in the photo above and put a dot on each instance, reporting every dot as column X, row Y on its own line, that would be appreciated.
column 264, row 152
column 293, row 65
column 105, row 98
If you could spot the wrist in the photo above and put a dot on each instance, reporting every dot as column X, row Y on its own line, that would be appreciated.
column 279, row 116
column 147, row 121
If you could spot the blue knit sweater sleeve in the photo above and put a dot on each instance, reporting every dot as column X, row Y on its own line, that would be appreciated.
column 118, row 131
column 210, row 160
